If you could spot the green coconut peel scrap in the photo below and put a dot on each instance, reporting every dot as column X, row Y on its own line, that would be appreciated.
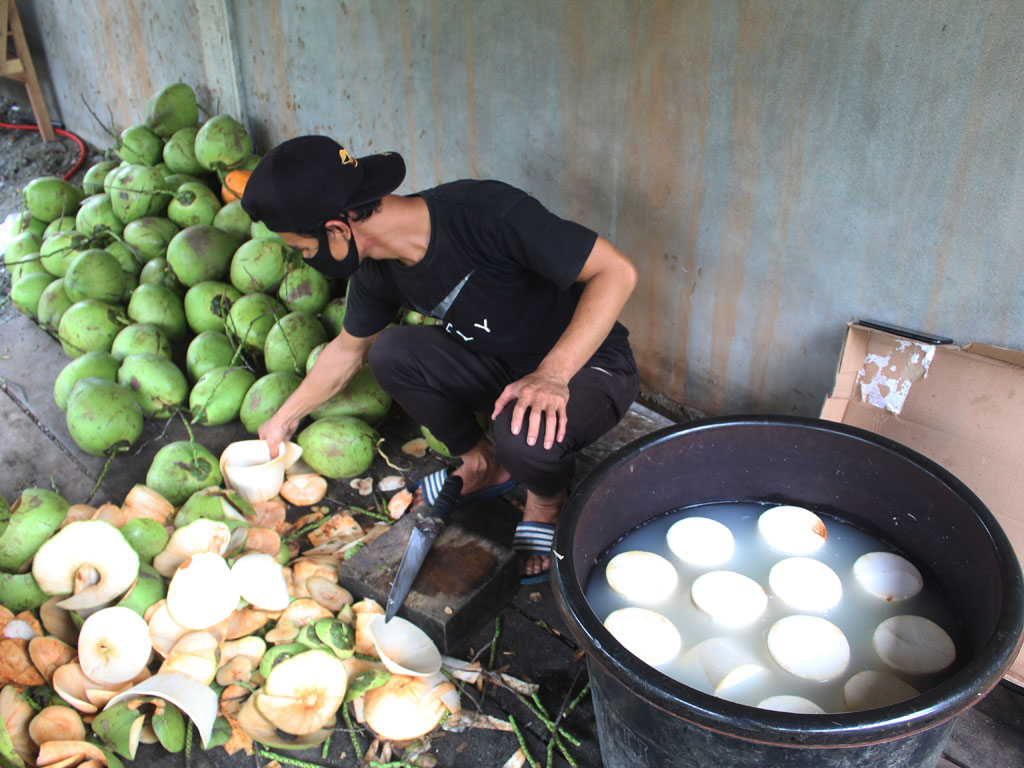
column 8, row 757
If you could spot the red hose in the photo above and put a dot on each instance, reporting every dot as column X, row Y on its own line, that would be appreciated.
column 62, row 132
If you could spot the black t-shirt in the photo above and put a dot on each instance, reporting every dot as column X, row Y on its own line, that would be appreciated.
column 499, row 272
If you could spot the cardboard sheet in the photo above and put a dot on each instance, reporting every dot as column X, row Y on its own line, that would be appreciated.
column 962, row 407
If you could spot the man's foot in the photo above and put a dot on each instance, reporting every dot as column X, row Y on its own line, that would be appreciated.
column 479, row 470
column 539, row 510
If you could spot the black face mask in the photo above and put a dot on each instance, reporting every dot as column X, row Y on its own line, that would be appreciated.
column 324, row 263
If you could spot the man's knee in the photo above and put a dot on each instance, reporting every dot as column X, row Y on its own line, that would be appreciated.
column 389, row 351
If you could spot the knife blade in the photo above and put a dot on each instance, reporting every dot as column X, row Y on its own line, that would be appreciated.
column 420, row 541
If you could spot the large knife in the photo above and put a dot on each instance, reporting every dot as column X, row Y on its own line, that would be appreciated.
column 420, row 541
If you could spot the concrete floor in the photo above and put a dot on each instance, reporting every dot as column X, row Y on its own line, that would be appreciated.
column 533, row 643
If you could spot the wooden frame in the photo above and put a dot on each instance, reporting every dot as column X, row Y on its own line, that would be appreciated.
column 19, row 66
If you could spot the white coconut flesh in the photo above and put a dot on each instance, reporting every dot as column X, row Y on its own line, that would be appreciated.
column 809, row 647
column 796, row 705
column 805, row 584
column 198, row 536
column 700, row 541
column 723, row 663
column 91, row 555
column 260, row 580
column 193, row 698
column 641, row 577
column 113, row 645
column 302, row 693
column 793, row 530
column 404, row 648
column 871, row 689
column 729, row 598
column 645, row 633
column 887, row 575
column 202, row 592
column 914, row 645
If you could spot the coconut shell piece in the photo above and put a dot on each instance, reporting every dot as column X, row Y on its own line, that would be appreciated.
column 265, row 540
column 270, row 514
column 399, row 504
column 416, row 447
column 6, row 615
column 196, row 654
column 327, row 593
column 15, row 664
column 304, row 490
column 109, row 513
column 77, row 513
column 305, row 568
column 54, row 752
column 70, row 683
column 56, row 723
column 340, row 527
column 244, row 622
column 361, row 485
column 16, row 713
column 48, row 653
column 143, row 501
column 57, row 622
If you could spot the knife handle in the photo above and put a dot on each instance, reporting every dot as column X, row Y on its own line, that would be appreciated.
column 447, row 497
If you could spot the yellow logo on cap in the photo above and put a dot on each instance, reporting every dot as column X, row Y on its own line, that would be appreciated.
column 346, row 158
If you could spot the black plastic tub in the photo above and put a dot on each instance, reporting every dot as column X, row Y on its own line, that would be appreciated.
column 645, row 718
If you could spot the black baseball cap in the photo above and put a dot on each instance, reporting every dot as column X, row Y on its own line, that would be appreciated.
column 303, row 182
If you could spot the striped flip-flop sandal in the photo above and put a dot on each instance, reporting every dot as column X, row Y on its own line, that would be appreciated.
column 434, row 482
column 534, row 539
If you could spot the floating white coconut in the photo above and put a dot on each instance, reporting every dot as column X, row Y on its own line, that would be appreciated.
column 641, row 577
column 645, row 633
column 248, row 468
column 913, row 644
column 729, row 598
column 870, row 689
column 723, row 663
column 700, row 541
column 798, row 705
column 805, row 584
column 404, row 648
column 202, row 592
column 809, row 647
column 794, row 530
column 887, row 575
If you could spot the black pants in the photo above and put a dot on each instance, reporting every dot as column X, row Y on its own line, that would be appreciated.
column 442, row 385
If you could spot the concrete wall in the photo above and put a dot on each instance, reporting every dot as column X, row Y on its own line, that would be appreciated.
column 775, row 168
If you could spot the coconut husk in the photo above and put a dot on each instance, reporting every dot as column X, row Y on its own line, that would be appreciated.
column 15, row 664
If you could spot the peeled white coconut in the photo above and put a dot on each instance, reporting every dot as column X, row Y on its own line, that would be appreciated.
column 913, row 644
column 794, row 530
column 805, row 584
column 871, row 689
column 887, row 575
column 798, row 705
column 193, row 698
column 723, row 663
column 202, row 592
column 809, row 647
column 260, row 581
column 89, row 558
column 642, row 577
column 700, row 541
column 646, row 634
column 113, row 645
column 729, row 598
column 404, row 648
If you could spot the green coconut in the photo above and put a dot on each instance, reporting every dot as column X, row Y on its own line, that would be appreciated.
column 101, row 365
column 363, row 398
column 126, row 256
column 208, row 350
column 158, row 272
column 233, row 219
column 160, row 306
column 20, row 592
column 147, row 537
column 259, row 229
column 23, row 222
column 21, row 246
column 265, row 396
column 304, row 290
column 138, row 145
column 35, row 516
column 60, row 224
column 59, row 250
column 49, row 197
column 181, row 468
column 290, row 341
column 170, row 109
column 200, row 252
column 27, row 266
column 92, row 182
column 259, row 265
column 89, row 325
column 53, row 302
column 140, row 338
column 97, row 215
column 173, row 181
column 207, row 305
column 150, row 235
column 338, row 446
column 214, row 504
column 217, row 396
column 251, row 317
column 333, row 315
column 95, row 274
column 26, row 292
column 136, row 191
column 103, row 417
column 313, row 355
column 193, row 203
column 180, row 152
column 158, row 384
column 222, row 143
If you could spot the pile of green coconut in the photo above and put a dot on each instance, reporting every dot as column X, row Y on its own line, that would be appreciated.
column 169, row 299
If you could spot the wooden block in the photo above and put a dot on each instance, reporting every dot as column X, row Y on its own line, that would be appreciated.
column 465, row 580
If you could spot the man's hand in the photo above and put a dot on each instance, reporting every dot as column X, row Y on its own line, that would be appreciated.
column 545, row 397
column 277, row 430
